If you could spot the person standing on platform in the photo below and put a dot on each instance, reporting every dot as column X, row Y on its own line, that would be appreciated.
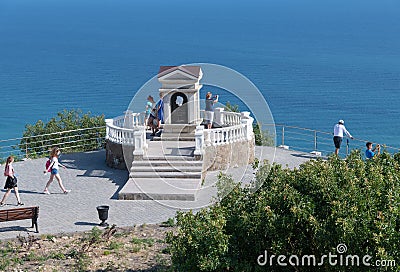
column 160, row 111
column 371, row 152
column 152, row 121
column 149, row 106
column 11, row 182
column 338, row 131
column 209, row 110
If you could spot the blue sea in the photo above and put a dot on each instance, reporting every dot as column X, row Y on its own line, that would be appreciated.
column 315, row 62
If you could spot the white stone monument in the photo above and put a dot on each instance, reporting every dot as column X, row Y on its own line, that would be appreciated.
column 181, row 95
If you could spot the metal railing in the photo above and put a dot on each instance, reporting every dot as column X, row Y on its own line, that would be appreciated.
column 297, row 138
column 84, row 139
column 308, row 140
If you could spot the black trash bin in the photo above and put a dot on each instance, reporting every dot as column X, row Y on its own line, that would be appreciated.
column 103, row 214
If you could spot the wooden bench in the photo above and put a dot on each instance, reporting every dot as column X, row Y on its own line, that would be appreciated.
column 21, row 214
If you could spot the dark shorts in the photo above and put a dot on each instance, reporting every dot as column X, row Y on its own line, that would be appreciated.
column 338, row 141
column 54, row 171
column 10, row 183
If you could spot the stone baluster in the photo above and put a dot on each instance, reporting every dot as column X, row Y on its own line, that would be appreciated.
column 143, row 120
column 140, row 143
column 135, row 117
column 128, row 119
column 236, row 137
column 108, row 124
column 199, row 140
column 207, row 137
column 247, row 121
column 219, row 116
column 213, row 137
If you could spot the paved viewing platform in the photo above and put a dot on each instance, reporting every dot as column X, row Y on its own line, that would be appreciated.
column 93, row 183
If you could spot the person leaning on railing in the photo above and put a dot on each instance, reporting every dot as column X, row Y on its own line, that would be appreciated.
column 338, row 131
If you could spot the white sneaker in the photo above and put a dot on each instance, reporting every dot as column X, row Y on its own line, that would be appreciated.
column 46, row 192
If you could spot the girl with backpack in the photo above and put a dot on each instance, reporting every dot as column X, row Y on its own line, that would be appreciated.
column 11, row 182
column 53, row 168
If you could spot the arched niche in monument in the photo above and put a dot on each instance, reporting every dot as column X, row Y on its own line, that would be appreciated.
column 179, row 108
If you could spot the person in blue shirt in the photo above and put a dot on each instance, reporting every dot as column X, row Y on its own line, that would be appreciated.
column 370, row 153
column 160, row 111
column 149, row 106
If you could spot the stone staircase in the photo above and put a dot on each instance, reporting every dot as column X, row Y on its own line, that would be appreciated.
column 176, row 133
column 171, row 176
column 174, row 137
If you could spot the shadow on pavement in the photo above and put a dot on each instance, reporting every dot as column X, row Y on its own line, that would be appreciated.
column 85, row 224
column 306, row 156
column 17, row 228
column 29, row 192
column 94, row 165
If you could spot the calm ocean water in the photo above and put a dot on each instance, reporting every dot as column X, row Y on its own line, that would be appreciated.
column 315, row 61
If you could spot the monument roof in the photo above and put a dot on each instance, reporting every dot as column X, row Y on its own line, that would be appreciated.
column 191, row 70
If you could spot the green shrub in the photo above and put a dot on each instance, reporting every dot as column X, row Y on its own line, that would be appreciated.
column 71, row 130
column 201, row 244
column 231, row 107
column 305, row 211
column 169, row 223
column 263, row 137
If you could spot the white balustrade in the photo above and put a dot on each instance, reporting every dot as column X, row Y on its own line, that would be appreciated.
column 199, row 140
column 129, row 129
column 117, row 133
column 225, row 135
column 231, row 118
column 130, row 120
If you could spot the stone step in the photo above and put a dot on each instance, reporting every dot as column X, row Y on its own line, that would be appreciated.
column 152, row 168
column 167, row 175
column 177, row 165
column 160, row 189
column 169, row 158
column 168, row 162
column 172, row 138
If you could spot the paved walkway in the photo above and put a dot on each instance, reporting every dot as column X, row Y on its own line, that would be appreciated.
column 93, row 183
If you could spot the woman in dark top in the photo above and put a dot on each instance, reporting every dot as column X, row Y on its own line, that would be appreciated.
column 11, row 182
column 209, row 111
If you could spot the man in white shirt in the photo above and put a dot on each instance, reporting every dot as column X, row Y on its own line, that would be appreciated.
column 338, row 130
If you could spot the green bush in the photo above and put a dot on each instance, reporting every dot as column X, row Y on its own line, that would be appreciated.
column 71, row 130
column 231, row 107
column 263, row 137
column 305, row 211
column 201, row 244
